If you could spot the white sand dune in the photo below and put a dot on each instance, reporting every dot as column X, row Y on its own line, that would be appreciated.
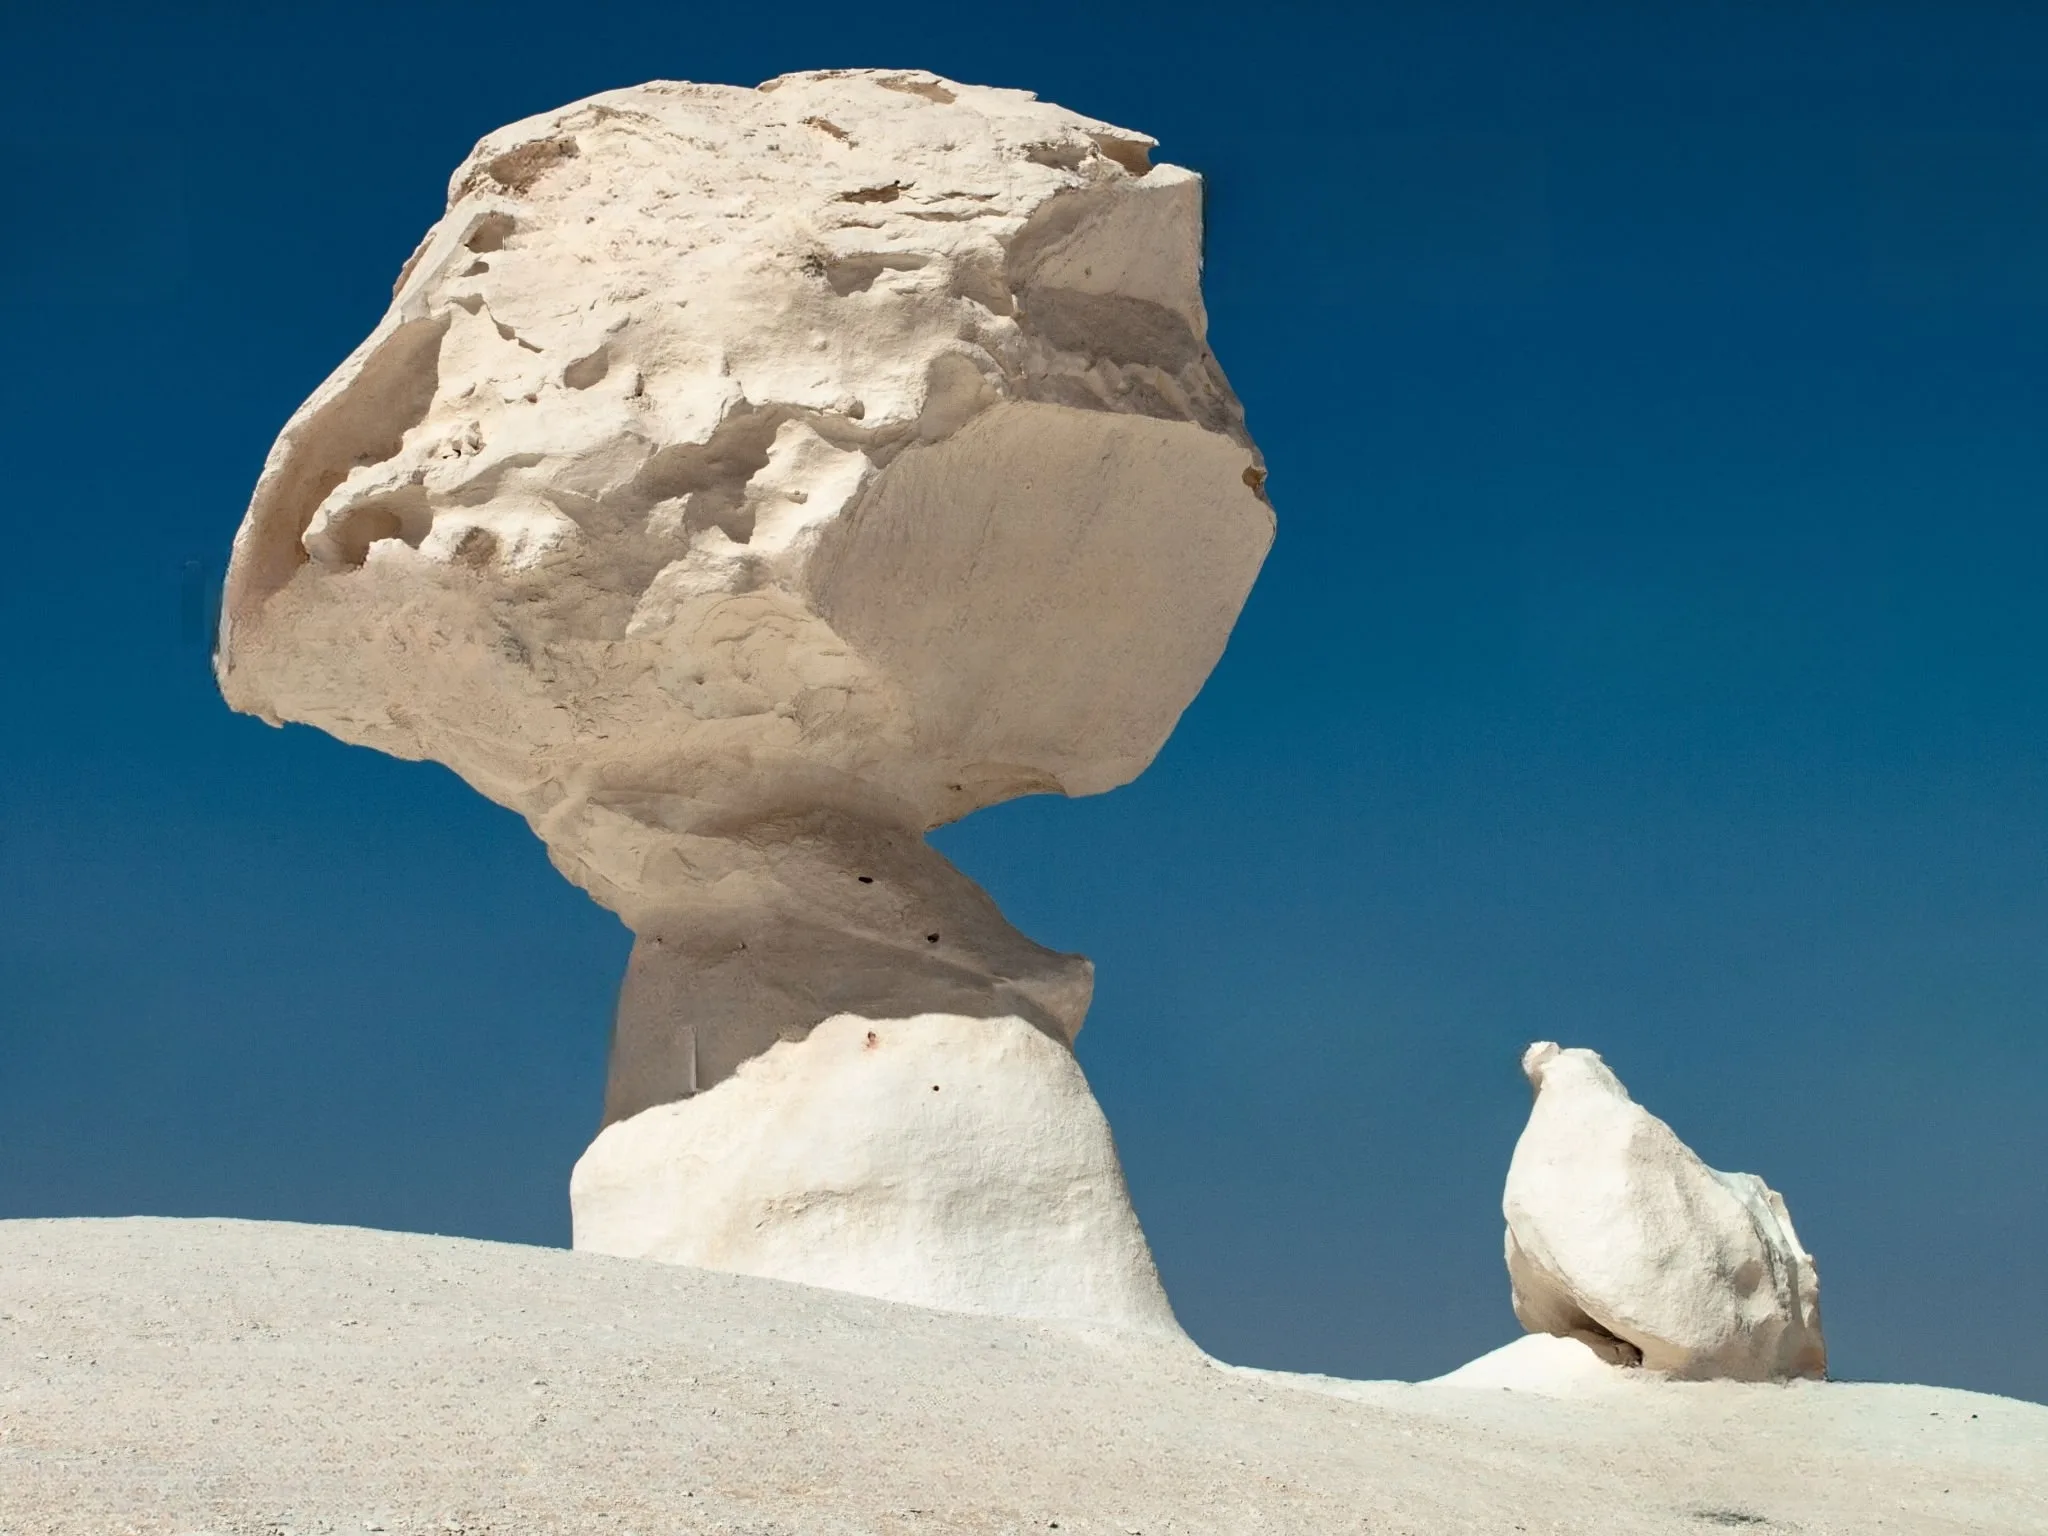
column 221, row 1376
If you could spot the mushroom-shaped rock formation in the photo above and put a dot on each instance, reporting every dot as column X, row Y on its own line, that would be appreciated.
column 743, row 483
column 1620, row 1238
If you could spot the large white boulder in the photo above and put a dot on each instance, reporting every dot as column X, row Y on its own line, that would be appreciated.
column 744, row 482
column 952, row 1162
column 1617, row 1231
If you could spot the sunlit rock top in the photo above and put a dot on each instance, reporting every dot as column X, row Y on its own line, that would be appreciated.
column 849, row 447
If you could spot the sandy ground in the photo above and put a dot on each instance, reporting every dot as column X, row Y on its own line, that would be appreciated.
column 213, row 1376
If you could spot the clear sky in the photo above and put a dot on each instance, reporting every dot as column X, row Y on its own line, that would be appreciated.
column 1652, row 655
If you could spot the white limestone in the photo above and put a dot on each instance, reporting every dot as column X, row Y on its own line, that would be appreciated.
column 743, row 483
column 1550, row 1365
column 951, row 1162
column 1616, row 1231
column 222, row 1376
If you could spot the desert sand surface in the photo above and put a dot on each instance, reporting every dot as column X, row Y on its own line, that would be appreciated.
column 246, row 1377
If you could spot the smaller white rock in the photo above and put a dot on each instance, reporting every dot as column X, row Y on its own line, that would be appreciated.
column 945, row 1161
column 1616, row 1228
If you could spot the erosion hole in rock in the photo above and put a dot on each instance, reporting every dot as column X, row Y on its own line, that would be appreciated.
column 365, row 528
column 710, row 479
column 856, row 274
column 348, row 535
column 1128, row 153
column 366, row 425
column 586, row 371
column 887, row 194
column 491, row 233
column 518, row 169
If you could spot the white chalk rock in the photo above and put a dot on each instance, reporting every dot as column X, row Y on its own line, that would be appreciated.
column 744, row 482
column 1548, row 1365
column 950, row 1162
column 741, row 484
column 1615, row 1228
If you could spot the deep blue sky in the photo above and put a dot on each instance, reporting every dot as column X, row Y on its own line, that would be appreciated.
column 1652, row 656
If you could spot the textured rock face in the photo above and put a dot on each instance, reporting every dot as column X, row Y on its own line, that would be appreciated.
column 952, row 1162
column 1616, row 1231
column 744, row 482
column 741, row 484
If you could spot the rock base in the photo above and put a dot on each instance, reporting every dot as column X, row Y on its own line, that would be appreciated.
column 940, row 1160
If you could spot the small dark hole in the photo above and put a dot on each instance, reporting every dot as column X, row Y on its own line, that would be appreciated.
column 935, row 1087
column 867, row 879
column 931, row 938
